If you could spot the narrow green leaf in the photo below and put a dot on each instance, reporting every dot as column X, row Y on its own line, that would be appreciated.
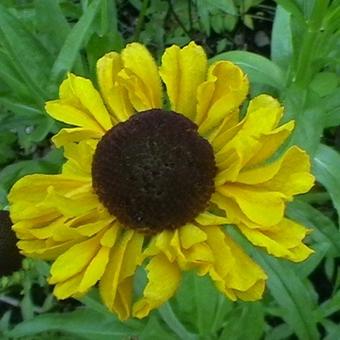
column 326, row 169
column 29, row 56
column 293, row 8
column 73, row 43
column 331, row 104
column 305, row 107
column 281, row 42
column 260, row 69
column 298, row 308
column 10, row 76
column 245, row 322
column 51, row 22
column 323, row 229
column 324, row 83
column 82, row 322
column 154, row 330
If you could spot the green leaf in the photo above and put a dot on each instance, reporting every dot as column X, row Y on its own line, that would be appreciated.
column 83, row 322
column 281, row 43
column 324, row 83
column 260, row 69
column 29, row 56
column 293, row 8
column 155, row 330
column 10, row 76
column 324, row 230
column 305, row 107
column 326, row 169
column 245, row 322
column 298, row 308
column 200, row 305
column 330, row 306
column 52, row 23
column 74, row 42
column 331, row 104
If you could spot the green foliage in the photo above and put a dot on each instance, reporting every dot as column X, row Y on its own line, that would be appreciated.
column 42, row 40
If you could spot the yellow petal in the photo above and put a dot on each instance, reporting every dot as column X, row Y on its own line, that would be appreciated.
column 140, row 77
column 190, row 235
column 41, row 250
column 66, row 289
column 115, row 96
column 79, row 156
column 80, row 104
column 65, row 136
column 116, row 285
column 289, row 175
column 95, row 270
column 207, row 218
column 228, row 167
column 71, row 115
column 282, row 240
column 70, row 207
column 294, row 176
column 163, row 280
column 234, row 273
column 74, row 260
column 30, row 191
column 247, row 278
column 270, row 142
column 262, row 207
column 223, row 258
column 182, row 71
column 262, row 117
column 230, row 87
column 163, row 243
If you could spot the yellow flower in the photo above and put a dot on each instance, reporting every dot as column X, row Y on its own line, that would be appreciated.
column 152, row 178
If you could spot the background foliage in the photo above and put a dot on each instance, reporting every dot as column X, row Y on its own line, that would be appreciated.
column 289, row 48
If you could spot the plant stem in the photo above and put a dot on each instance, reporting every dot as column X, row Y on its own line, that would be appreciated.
column 141, row 19
column 180, row 23
column 174, row 324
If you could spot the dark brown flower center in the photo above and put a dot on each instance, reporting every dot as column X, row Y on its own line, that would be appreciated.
column 10, row 258
column 154, row 171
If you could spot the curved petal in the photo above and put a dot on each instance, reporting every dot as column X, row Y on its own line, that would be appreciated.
column 163, row 280
column 282, row 240
column 294, row 176
column 116, row 284
column 234, row 273
column 263, row 115
column 182, row 71
column 79, row 159
column 262, row 207
column 289, row 175
column 80, row 104
column 74, row 260
column 31, row 190
column 140, row 78
column 224, row 91
column 71, row 135
column 270, row 143
column 115, row 96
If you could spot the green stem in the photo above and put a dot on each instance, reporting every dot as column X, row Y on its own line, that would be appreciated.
column 174, row 324
column 176, row 17
column 141, row 19
column 305, row 59
column 218, row 313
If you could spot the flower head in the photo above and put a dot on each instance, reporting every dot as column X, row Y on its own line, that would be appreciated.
column 9, row 254
column 152, row 178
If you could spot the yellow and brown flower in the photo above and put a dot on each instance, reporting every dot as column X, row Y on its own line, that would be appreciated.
column 153, row 178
